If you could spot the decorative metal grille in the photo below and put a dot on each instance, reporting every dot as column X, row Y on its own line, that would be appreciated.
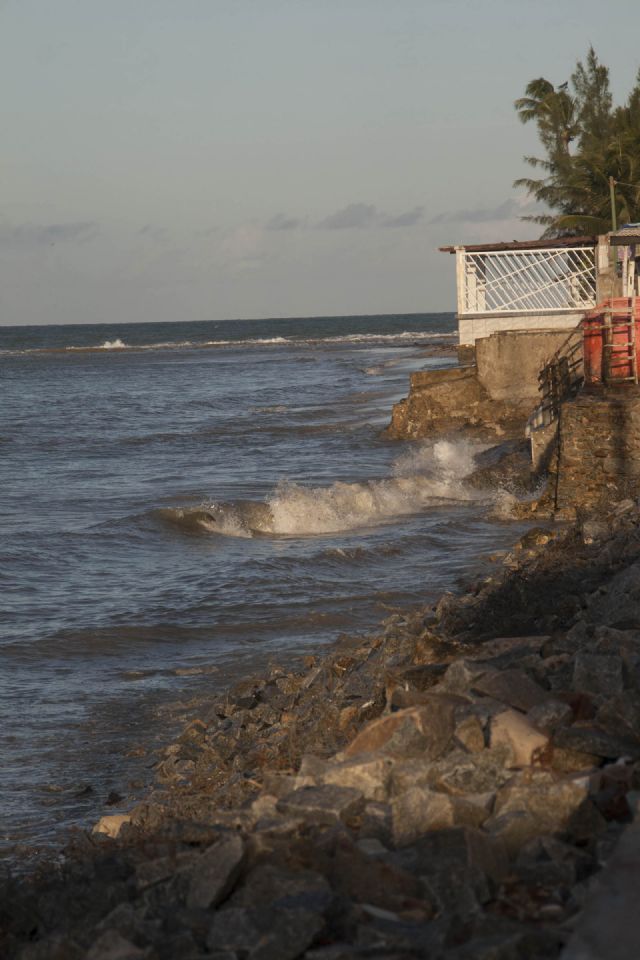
column 526, row 281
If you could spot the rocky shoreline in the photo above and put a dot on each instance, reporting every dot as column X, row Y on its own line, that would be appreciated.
column 445, row 788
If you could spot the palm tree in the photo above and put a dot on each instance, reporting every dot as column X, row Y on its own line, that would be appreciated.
column 575, row 186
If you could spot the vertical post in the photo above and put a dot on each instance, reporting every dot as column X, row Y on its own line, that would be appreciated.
column 612, row 199
column 460, row 281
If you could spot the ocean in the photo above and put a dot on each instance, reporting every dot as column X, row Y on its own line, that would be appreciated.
column 183, row 503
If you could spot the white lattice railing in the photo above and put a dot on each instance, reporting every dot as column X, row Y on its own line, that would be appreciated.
column 526, row 281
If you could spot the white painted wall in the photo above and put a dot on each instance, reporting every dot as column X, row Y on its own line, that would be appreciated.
column 472, row 328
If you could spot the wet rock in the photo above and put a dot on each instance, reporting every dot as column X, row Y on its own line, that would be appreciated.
column 524, row 742
column 425, row 730
column 325, row 804
column 215, row 872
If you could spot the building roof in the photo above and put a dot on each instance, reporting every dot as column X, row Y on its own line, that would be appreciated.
column 628, row 233
column 525, row 245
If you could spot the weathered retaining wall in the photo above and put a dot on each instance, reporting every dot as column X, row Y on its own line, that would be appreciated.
column 499, row 392
column 599, row 448
column 509, row 363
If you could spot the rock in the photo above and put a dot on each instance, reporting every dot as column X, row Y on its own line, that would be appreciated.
column 325, row 804
column 473, row 809
column 264, row 934
column 512, row 687
column 531, row 806
column 418, row 810
column 111, row 946
column 368, row 774
column 546, row 862
column 593, row 530
column 150, row 872
column 469, row 733
column 565, row 760
column 549, row 715
column 445, row 850
column 278, row 888
column 598, row 674
column 375, row 821
column 215, row 872
column 460, row 676
column 593, row 740
column 458, row 774
column 618, row 605
column 371, row 879
column 425, row 731
column 609, row 924
column 112, row 825
column 524, row 742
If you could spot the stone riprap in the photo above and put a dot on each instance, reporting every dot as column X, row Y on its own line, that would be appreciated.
column 446, row 788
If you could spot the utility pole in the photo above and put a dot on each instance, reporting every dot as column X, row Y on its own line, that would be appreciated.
column 612, row 197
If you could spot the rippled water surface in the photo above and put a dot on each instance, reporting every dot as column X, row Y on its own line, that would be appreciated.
column 181, row 502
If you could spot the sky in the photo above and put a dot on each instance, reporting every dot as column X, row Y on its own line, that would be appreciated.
column 220, row 159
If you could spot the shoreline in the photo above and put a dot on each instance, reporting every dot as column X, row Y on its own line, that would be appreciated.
column 410, row 758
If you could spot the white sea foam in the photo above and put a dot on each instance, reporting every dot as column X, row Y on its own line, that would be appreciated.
column 116, row 344
column 429, row 473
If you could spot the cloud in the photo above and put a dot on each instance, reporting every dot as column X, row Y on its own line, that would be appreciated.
column 353, row 216
column 407, row 219
column 243, row 246
column 152, row 232
column 507, row 210
column 41, row 235
column 281, row 222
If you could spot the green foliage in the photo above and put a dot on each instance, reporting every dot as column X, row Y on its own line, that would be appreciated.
column 586, row 141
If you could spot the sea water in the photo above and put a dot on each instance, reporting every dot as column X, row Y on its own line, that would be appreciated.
column 181, row 503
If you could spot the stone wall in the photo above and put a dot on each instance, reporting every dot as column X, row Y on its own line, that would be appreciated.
column 599, row 448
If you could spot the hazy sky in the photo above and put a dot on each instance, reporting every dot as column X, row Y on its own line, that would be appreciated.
column 209, row 159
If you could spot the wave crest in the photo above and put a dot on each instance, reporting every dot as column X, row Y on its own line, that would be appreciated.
column 424, row 476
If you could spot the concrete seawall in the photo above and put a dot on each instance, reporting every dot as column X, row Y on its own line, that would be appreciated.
column 496, row 394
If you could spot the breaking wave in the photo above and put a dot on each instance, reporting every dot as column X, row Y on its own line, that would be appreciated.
column 428, row 474
column 406, row 337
